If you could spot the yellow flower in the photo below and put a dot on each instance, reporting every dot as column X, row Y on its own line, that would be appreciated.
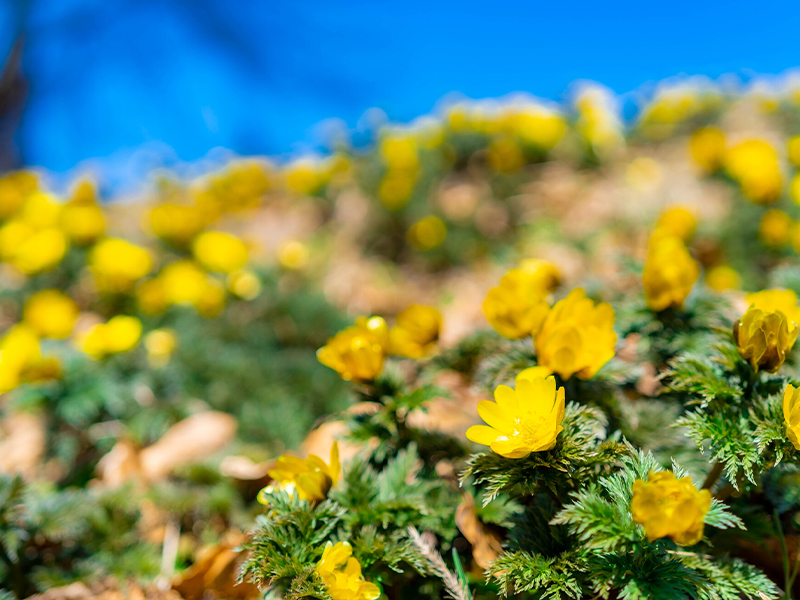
column 670, row 507
column 517, row 307
column 119, row 334
column 723, row 277
column 395, row 188
column 219, row 251
column 707, row 147
column 669, row 273
column 41, row 210
column 244, row 284
column 522, row 420
column 21, row 359
column 176, row 223
column 150, row 297
column 160, row 344
column 754, row 164
column 293, row 255
column 773, row 300
column 538, row 127
column 504, row 155
column 793, row 148
column 311, row 478
column 51, row 313
column 15, row 188
column 81, row 218
column 117, row 264
column 399, row 152
column 341, row 574
column 678, row 221
column 416, row 332
column 577, row 337
column 775, row 228
column 427, row 233
column 212, row 299
column 791, row 414
column 764, row 338
column 357, row 352
column 543, row 274
column 182, row 282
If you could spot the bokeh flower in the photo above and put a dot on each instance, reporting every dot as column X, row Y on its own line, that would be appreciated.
column 21, row 359
column 754, row 164
column 160, row 344
column 669, row 507
column 678, row 221
column 707, row 147
column 117, row 264
column 51, row 314
column 776, row 299
column 577, row 336
column 669, row 273
column 791, row 414
column 82, row 219
column 764, row 338
column 521, row 420
column 219, row 251
column 119, row 334
column 517, row 307
column 358, row 352
column 416, row 332
column 775, row 228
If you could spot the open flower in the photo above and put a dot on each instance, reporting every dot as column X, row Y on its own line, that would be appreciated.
column 522, row 420
column 670, row 507
column 577, row 337
column 21, row 359
column 517, row 307
column 51, row 313
column 310, row 477
column 777, row 299
column 357, row 352
column 678, row 221
column 791, row 414
column 341, row 574
column 754, row 164
column 669, row 273
column 219, row 251
column 764, row 338
column 120, row 334
column 117, row 264
column 416, row 332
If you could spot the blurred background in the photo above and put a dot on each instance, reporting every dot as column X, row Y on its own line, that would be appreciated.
column 169, row 80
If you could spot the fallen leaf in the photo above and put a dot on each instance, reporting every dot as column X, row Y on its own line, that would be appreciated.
column 486, row 544
column 215, row 573
column 22, row 443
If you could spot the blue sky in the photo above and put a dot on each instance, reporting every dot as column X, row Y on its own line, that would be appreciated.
column 108, row 76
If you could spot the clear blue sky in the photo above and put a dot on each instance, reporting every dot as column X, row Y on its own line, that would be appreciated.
column 108, row 75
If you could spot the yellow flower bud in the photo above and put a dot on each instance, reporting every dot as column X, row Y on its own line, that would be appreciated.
column 764, row 338
column 182, row 282
column 341, row 574
column 707, row 147
column 416, row 332
column 357, row 352
column 219, row 251
column 81, row 218
column 117, row 264
column 517, row 308
column 395, row 188
column 176, row 223
column 776, row 299
column 244, row 284
column 723, row 277
column 669, row 273
column 791, row 414
column 522, row 420
column 669, row 507
column 775, row 228
column 311, row 478
column 15, row 188
column 160, row 344
column 51, row 313
column 577, row 337
column 678, row 221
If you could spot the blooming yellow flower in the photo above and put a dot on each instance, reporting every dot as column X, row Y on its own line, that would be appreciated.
column 669, row 273
column 791, row 414
column 773, row 300
column 395, row 188
column 577, row 337
column 182, row 282
column 522, row 420
column 244, row 284
column 357, row 352
column 754, row 164
column 517, row 308
column 543, row 274
column 160, row 344
column 723, row 277
column 311, row 478
column 306, row 176
column 21, row 359
column 119, row 334
column 42, row 251
column 15, row 188
column 219, row 251
column 293, row 254
column 117, row 264
column 416, row 332
column 678, row 221
column 707, row 147
column 764, row 338
column 427, row 233
column 775, row 228
column 669, row 507
column 341, row 574
column 51, row 313
column 41, row 211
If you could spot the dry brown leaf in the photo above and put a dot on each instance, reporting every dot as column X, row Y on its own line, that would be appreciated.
column 486, row 544
column 120, row 464
column 22, row 443
column 189, row 441
column 108, row 590
column 215, row 573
